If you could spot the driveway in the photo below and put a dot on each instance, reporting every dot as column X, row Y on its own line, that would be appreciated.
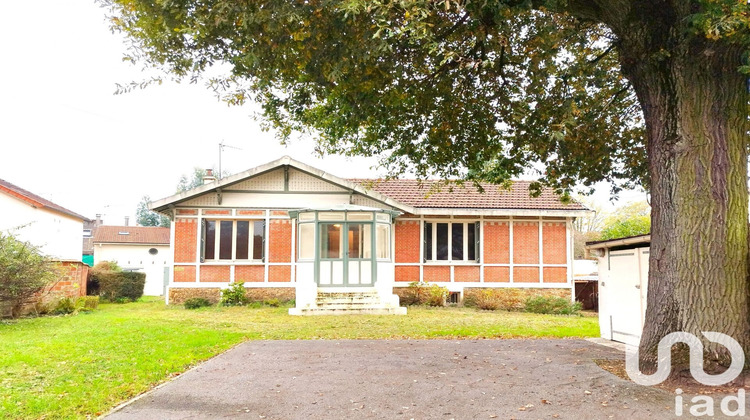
column 403, row 379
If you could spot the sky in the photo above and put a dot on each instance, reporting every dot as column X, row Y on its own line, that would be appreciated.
column 66, row 136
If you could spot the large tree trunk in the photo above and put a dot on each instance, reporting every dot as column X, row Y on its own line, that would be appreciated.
column 695, row 107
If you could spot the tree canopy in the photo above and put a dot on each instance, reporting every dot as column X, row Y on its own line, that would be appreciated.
column 647, row 92
column 146, row 217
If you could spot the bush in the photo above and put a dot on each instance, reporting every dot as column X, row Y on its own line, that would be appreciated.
column 87, row 303
column 419, row 293
column 121, row 286
column 195, row 303
column 272, row 302
column 64, row 306
column 552, row 305
column 103, row 267
column 493, row 299
column 436, row 295
column 234, row 295
column 23, row 273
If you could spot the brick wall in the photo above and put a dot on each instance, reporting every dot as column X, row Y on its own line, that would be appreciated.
column 437, row 273
column 279, row 273
column 525, row 274
column 407, row 273
column 554, row 243
column 184, row 273
column 70, row 283
column 525, row 243
column 496, row 242
column 280, row 240
column 249, row 273
column 185, row 240
column 465, row 273
column 496, row 274
column 215, row 273
column 407, row 241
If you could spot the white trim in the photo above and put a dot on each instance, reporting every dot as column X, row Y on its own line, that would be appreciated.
column 198, row 248
column 172, row 227
column 267, row 245
column 293, row 260
column 481, row 248
column 510, row 249
column 422, row 258
column 496, row 284
column 224, row 285
column 541, row 251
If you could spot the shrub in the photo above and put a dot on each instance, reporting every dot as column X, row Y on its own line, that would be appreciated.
column 195, row 303
column 436, row 295
column 23, row 273
column 121, row 286
column 64, row 306
column 103, row 267
column 234, row 295
column 87, row 303
column 552, row 305
column 414, row 294
column 272, row 302
column 487, row 299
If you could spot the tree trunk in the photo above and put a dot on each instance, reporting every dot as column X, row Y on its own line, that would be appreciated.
column 694, row 103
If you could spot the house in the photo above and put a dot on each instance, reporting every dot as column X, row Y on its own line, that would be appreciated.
column 333, row 244
column 89, row 228
column 623, row 286
column 136, row 248
column 55, row 230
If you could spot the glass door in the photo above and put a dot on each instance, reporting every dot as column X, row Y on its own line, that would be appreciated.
column 345, row 251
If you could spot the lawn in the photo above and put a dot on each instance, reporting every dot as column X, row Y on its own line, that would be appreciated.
column 83, row 365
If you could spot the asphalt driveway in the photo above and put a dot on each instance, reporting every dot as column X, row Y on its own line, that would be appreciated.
column 403, row 379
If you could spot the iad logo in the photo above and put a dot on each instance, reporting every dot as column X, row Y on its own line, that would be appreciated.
column 702, row 405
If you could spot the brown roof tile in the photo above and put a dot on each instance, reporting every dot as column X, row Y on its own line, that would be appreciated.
column 132, row 235
column 36, row 200
column 419, row 194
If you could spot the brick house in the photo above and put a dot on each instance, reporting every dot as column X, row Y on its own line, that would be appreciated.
column 286, row 228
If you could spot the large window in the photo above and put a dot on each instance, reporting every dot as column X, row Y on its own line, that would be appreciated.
column 233, row 240
column 451, row 241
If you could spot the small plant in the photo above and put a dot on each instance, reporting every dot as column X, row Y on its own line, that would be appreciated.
column 195, row 303
column 487, row 299
column 552, row 305
column 437, row 295
column 64, row 306
column 87, row 303
column 272, row 302
column 235, row 295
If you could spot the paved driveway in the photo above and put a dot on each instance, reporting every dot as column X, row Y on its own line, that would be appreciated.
column 403, row 379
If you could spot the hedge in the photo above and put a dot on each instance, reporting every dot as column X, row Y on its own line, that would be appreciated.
column 118, row 286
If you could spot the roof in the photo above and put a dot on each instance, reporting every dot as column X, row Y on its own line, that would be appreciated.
column 35, row 200
column 419, row 194
column 629, row 240
column 132, row 235
column 408, row 196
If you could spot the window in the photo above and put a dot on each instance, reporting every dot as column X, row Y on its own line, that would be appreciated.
column 306, row 241
column 232, row 240
column 449, row 241
column 383, row 241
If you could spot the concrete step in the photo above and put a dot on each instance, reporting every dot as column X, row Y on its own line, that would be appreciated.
column 348, row 300
column 348, row 311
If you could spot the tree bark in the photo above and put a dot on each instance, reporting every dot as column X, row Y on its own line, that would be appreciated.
column 694, row 103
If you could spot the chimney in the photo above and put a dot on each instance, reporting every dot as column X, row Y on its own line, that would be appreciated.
column 98, row 221
column 209, row 177
column 127, row 220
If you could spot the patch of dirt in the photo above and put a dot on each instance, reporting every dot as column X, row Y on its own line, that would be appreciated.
column 682, row 380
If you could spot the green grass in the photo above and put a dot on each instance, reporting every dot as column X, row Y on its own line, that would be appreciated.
column 76, row 366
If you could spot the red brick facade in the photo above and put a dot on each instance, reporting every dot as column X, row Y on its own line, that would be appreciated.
column 525, row 243
column 215, row 273
column 185, row 240
column 279, row 273
column 407, row 273
column 554, row 237
column 249, row 273
column 184, row 273
column 466, row 273
column 407, row 241
column 496, row 242
column 280, row 241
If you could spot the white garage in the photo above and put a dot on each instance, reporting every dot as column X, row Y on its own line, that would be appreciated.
column 623, row 286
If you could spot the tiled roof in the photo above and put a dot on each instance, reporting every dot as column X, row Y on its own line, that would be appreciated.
column 36, row 200
column 418, row 194
column 132, row 235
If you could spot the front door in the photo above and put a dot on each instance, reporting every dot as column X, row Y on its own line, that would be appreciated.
column 345, row 254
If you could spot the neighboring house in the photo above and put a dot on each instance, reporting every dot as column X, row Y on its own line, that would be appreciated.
column 623, row 286
column 89, row 228
column 136, row 248
column 55, row 230
column 586, row 277
column 293, row 229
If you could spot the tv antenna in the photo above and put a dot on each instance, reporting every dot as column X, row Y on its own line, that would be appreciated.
column 221, row 149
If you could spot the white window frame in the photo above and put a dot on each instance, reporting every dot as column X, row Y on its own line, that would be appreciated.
column 250, row 245
column 433, row 258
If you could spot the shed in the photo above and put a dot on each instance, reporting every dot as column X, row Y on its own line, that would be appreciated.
column 623, row 286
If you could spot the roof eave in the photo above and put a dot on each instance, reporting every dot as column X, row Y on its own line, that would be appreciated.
column 610, row 243
column 165, row 203
column 434, row 211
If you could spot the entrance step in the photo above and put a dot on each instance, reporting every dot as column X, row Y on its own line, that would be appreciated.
column 349, row 302
column 400, row 310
